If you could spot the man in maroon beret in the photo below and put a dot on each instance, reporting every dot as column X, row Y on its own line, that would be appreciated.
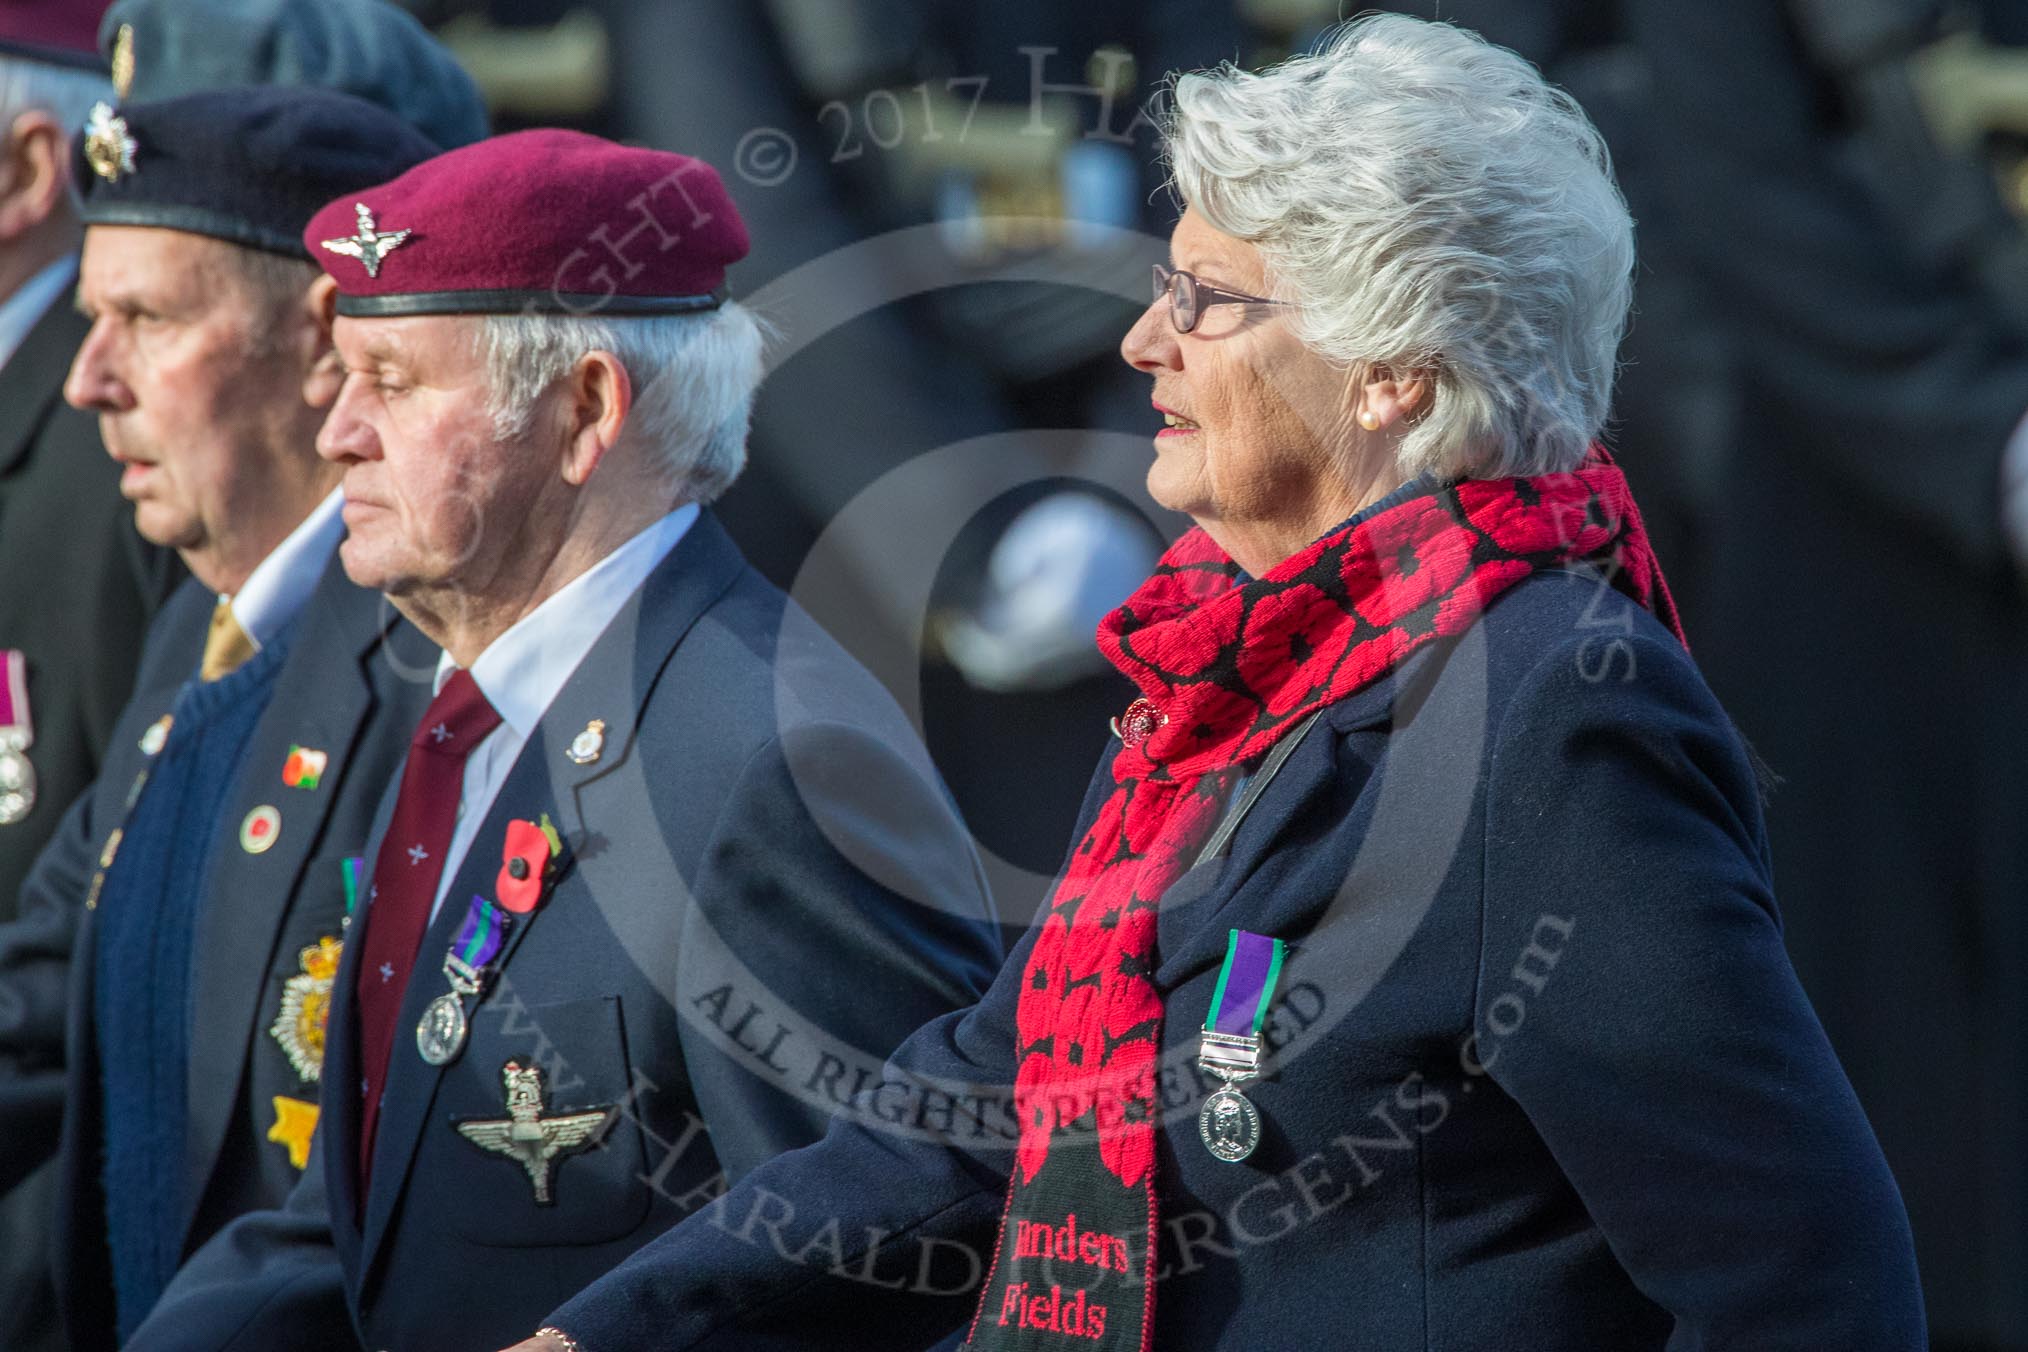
column 667, row 875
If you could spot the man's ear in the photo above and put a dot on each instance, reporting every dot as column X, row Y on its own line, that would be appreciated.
column 326, row 371
column 32, row 174
column 1387, row 397
column 598, row 396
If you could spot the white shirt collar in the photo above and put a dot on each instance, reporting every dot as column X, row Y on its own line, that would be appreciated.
column 521, row 671
column 24, row 309
column 283, row 581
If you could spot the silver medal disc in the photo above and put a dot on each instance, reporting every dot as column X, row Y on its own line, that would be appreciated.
column 441, row 1034
column 1230, row 1125
column 17, row 785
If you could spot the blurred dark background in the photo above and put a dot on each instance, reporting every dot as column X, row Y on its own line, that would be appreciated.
column 1827, row 371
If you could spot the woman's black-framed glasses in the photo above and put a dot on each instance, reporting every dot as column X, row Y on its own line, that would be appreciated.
column 1189, row 298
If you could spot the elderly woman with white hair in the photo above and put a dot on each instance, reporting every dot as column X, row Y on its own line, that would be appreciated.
column 1415, row 980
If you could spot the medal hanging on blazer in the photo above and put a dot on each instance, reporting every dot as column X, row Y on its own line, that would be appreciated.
column 17, row 733
column 467, row 967
column 1229, row 1048
column 527, row 864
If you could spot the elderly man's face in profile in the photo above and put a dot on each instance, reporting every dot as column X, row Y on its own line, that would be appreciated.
column 1259, row 423
column 197, row 387
column 432, row 493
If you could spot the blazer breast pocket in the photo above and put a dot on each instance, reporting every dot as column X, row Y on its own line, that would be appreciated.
column 532, row 1140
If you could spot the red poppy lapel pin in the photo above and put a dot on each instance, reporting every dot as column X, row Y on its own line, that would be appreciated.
column 527, row 864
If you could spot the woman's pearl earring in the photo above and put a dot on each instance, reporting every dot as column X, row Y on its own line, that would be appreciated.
column 1369, row 420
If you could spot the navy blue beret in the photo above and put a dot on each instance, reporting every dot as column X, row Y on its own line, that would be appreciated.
column 250, row 166
column 366, row 47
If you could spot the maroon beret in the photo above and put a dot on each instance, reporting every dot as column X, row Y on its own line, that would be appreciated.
column 65, row 32
column 540, row 221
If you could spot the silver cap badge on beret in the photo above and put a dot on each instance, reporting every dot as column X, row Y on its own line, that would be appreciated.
column 371, row 244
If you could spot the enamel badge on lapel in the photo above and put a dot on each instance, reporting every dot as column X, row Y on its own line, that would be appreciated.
column 586, row 746
column 1228, row 1123
column 304, row 767
column 306, row 1007
column 157, row 734
column 527, row 860
column 295, row 1124
column 261, row 829
column 527, row 1137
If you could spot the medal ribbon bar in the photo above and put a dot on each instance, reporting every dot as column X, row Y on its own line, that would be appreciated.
column 17, row 728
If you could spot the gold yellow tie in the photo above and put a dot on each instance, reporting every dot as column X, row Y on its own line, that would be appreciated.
column 226, row 646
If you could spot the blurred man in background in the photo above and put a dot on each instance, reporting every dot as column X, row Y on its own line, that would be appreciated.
column 80, row 583
column 1860, row 599
column 61, row 519
column 1829, row 386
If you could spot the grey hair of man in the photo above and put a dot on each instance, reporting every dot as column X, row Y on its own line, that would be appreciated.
column 66, row 94
column 64, row 97
column 1428, row 203
column 694, row 378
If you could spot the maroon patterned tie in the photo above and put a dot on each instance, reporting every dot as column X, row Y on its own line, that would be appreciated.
column 405, row 878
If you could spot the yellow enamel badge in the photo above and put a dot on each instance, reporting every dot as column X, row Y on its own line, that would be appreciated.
column 306, row 1005
column 295, row 1124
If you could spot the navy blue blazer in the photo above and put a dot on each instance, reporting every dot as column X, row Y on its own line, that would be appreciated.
column 764, row 889
column 352, row 686
column 1541, row 1074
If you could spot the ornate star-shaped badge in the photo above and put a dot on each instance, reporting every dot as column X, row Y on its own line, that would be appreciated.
column 306, row 1007
column 108, row 149
column 371, row 244
column 526, row 1136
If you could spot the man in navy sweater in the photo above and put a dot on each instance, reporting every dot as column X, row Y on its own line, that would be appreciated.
column 164, row 989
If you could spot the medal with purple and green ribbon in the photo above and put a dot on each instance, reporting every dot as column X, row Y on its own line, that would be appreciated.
column 441, row 1034
column 1229, row 1047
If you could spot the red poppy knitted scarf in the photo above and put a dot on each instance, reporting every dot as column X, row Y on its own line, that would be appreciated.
column 1225, row 668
